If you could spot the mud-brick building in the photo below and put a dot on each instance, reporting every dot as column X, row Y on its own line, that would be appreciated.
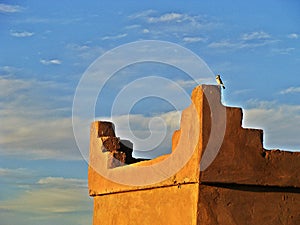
column 217, row 174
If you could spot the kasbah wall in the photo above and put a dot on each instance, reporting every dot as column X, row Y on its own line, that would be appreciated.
column 244, row 183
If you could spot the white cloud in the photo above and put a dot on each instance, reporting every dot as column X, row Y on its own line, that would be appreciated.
column 174, row 23
column 134, row 26
column 247, row 40
column 12, row 86
column 40, row 138
column 77, row 47
column 283, row 51
column 62, row 182
column 194, row 39
column 281, row 124
column 85, row 52
column 181, row 19
column 15, row 173
column 168, row 17
column 21, row 34
column 119, row 36
column 293, row 36
column 8, row 70
column 142, row 14
column 225, row 44
column 51, row 62
column 290, row 90
column 146, row 31
column 255, row 36
column 5, row 8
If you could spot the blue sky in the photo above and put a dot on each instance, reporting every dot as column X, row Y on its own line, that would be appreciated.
column 46, row 46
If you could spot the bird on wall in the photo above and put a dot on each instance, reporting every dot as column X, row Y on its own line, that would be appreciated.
column 219, row 81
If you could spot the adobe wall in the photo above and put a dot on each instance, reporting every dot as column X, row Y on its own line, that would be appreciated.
column 243, row 183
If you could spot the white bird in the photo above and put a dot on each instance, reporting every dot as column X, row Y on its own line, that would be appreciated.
column 219, row 81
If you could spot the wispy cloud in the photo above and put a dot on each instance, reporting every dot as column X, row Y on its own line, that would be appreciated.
column 290, row 90
column 62, row 182
column 11, row 87
column 116, row 37
column 173, row 22
column 37, row 20
column 28, row 104
column 194, row 39
column 146, row 31
column 177, row 18
column 283, row 51
column 5, row 8
column 21, row 34
column 224, row 44
column 133, row 26
column 168, row 17
column 293, row 36
column 280, row 122
column 77, row 47
column 84, row 52
column 15, row 173
column 8, row 70
column 51, row 61
column 57, row 197
column 247, row 40
column 44, row 138
column 65, row 21
column 142, row 14
column 257, row 35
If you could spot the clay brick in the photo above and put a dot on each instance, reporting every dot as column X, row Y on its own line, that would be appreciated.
column 111, row 143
